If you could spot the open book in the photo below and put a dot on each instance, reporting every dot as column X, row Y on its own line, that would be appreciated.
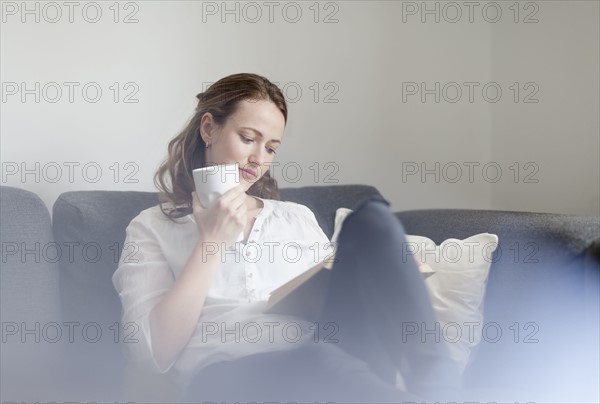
column 304, row 294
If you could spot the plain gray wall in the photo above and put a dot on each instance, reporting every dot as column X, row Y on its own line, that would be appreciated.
column 365, row 124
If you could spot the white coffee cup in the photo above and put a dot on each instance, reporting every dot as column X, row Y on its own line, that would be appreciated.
column 213, row 181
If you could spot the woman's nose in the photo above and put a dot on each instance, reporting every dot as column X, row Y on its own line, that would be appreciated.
column 256, row 157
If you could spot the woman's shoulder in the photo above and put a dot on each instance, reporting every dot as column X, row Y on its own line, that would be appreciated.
column 154, row 216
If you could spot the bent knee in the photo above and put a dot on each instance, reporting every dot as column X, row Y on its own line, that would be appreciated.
column 372, row 221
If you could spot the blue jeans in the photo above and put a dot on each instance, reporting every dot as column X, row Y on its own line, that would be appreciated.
column 373, row 290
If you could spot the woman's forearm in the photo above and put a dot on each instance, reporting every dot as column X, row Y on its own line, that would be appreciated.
column 174, row 319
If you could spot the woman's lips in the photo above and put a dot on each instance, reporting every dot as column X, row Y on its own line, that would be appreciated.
column 249, row 174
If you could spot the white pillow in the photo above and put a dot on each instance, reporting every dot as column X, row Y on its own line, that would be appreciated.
column 456, row 289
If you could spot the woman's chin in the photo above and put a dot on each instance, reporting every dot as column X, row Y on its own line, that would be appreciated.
column 247, row 184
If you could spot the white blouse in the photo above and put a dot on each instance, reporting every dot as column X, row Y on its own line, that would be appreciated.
column 285, row 241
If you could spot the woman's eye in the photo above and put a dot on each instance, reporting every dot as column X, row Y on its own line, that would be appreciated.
column 246, row 139
column 271, row 151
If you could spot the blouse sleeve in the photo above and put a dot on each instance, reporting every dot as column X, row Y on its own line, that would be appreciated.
column 141, row 280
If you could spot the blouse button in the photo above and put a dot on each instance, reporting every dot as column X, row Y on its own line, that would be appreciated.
column 255, row 230
column 250, row 275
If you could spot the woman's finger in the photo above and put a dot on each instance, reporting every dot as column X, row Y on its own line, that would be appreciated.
column 236, row 196
column 196, row 205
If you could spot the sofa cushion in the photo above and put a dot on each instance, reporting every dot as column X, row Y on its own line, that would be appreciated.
column 92, row 224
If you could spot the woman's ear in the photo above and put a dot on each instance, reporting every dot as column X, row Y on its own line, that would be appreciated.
column 207, row 128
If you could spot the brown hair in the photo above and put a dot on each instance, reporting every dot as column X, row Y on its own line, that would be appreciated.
column 187, row 151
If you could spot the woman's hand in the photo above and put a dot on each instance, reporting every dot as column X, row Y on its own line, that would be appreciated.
column 423, row 267
column 225, row 219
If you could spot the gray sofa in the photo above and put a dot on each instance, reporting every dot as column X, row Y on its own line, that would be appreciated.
column 60, row 314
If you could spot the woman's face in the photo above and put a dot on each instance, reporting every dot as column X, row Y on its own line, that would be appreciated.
column 249, row 137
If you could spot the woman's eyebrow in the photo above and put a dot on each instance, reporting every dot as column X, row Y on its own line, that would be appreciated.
column 260, row 134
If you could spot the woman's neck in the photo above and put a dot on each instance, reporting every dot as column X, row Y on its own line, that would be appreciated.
column 253, row 203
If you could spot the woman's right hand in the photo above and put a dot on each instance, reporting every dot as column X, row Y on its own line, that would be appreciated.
column 225, row 219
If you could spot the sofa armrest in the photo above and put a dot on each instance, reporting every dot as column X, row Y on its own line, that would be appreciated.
column 30, row 310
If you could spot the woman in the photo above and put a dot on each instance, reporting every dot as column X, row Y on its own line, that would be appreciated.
column 199, row 303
